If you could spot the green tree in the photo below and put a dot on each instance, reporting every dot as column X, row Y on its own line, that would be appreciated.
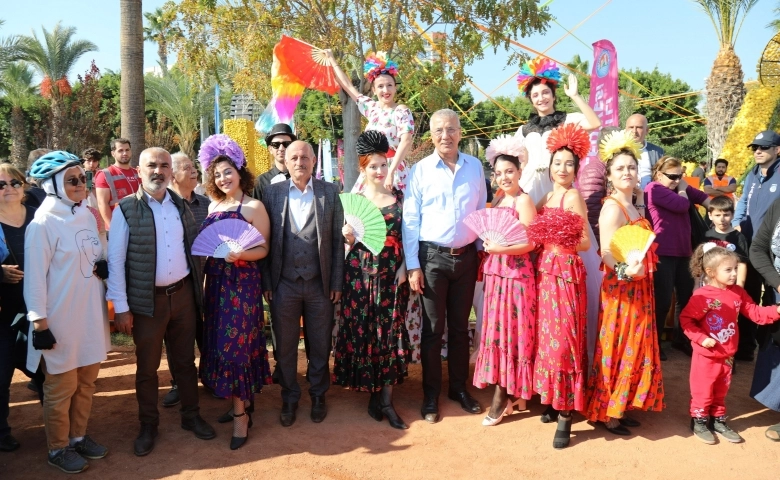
column 16, row 84
column 9, row 49
column 160, row 30
column 53, row 56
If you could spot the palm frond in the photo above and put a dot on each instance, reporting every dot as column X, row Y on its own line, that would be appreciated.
column 727, row 17
column 55, row 54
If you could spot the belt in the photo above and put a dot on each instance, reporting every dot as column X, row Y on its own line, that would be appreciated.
column 447, row 250
column 170, row 289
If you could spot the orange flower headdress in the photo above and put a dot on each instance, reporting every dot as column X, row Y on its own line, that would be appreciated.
column 572, row 137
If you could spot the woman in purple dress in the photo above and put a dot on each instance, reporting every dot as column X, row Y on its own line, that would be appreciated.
column 235, row 364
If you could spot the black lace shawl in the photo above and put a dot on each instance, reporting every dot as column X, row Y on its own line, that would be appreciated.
column 543, row 124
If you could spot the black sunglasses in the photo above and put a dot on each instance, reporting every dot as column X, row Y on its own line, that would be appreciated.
column 76, row 181
column 13, row 183
column 280, row 144
column 673, row 176
column 762, row 147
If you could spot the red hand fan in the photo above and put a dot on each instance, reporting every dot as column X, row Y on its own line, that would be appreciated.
column 308, row 63
column 497, row 225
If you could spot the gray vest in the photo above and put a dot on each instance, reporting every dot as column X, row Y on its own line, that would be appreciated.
column 301, row 257
column 140, row 265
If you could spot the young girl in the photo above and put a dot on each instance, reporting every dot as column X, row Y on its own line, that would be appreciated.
column 710, row 321
column 562, row 308
column 507, row 345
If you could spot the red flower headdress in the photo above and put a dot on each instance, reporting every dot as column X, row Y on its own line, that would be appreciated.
column 570, row 136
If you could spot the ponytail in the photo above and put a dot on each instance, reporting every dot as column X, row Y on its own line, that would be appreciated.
column 709, row 255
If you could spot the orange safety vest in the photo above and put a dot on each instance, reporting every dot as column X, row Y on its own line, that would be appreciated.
column 721, row 183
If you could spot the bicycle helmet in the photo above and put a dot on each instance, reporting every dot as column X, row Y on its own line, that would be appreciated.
column 51, row 163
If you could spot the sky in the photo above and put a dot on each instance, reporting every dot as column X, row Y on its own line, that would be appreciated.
column 673, row 35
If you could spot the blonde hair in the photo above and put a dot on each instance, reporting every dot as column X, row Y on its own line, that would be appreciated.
column 663, row 163
column 16, row 174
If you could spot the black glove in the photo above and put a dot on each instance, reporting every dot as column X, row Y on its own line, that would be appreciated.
column 43, row 340
column 101, row 269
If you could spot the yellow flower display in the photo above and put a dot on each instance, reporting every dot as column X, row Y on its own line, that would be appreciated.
column 243, row 132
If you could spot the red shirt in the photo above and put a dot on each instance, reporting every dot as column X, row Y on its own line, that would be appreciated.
column 124, row 187
column 712, row 313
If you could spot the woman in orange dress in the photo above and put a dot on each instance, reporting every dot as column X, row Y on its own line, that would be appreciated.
column 626, row 372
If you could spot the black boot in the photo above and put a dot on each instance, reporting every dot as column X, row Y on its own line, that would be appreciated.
column 374, row 410
column 388, row 411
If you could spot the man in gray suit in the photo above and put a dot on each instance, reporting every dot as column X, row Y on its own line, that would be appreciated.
column 303, row 275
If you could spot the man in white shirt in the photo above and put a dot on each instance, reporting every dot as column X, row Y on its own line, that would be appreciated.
column 636, row 125
column 441, row 257
column 157, row 291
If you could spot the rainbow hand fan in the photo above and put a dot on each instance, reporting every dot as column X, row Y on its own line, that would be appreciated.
column 366, row 220
column 630, row 243
column 296, row 66
column 224, row 236
column 497, row 225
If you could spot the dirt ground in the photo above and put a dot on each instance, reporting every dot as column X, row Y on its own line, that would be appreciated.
column 349, row 444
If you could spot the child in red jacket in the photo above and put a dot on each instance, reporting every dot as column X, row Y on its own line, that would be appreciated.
column 710, row 321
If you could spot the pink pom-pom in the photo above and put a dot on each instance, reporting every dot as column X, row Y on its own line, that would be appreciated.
column 505, row 145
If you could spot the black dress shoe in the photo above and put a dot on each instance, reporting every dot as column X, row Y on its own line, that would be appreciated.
column 629, row 422
column 171, row 399
column 144, row 443
column 287, row 417
column 430, row 410
column 619, row 430
column 467, row 402
column 318, row 409
column 662, row 354
column 8, row 444
column 199, row 427
column 392, row 417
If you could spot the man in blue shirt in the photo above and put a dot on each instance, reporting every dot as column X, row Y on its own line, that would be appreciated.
column 760, row 190
column 441, row 257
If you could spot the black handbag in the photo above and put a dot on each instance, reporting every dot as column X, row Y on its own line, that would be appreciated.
column 698, row 226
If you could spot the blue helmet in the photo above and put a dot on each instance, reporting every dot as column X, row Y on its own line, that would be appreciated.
column 51, row 163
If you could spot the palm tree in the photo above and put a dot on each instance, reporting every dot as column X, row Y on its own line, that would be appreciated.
column 775, row 24
column 160, row 30
column 178, row 99
column 131, row 90
column 9, row 50
column 53, row 57
column 16, row 83
column 725, row 87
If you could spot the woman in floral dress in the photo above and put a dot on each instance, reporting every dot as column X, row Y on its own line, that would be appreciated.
column 506, row 348
column 626, row 372
column 560, row 367
column 371, row 352
column 236, row 361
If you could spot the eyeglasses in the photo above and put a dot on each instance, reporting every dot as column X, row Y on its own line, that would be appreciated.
column 280, row 144
column 762, row 147
column 14, row 184
column 76, row 181
column 673, row 176
column 440, row 132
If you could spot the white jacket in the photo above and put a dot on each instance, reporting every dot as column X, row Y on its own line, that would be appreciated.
column 60, row 250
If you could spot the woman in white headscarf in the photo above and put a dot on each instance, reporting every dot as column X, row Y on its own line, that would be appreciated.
column 64, row 293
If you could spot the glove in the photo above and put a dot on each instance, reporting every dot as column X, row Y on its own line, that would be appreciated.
column 101, row 269
column 43, row 340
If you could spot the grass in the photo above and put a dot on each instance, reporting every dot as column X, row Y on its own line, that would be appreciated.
column 121, row 339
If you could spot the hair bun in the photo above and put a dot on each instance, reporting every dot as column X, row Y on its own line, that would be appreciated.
column 370, row 142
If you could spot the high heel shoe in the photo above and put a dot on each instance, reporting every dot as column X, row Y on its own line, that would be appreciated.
column 392, row 417
column 374, row 409
column 489, row 421
column 237, row 442
column 510, row 406
column 227, row 417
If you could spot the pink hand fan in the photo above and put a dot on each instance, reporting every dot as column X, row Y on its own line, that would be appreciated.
column 224, row 236
column 497, row 225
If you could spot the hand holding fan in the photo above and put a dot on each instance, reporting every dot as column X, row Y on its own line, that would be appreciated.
column 225, row 236
column 497, row 225
column 630, row 243
column 366, row 220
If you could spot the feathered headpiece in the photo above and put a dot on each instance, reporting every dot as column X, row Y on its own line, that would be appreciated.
column 571, row 136
column 377, row 64
column 615, row 142
column 540, row 67
column 220, row 144
column 372, row 141
column 505, row 145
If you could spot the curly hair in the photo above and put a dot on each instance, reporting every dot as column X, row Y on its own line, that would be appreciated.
column 701, row 260
column 247, row 179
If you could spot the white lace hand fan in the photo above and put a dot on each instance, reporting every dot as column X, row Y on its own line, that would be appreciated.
column 225, row 236
column 497, row 225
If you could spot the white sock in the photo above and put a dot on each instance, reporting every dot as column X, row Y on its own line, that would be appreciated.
column 54, row 452
column 75, row 440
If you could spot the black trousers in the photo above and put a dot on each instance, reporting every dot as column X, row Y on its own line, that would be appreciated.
column 447, row 296
column 747, row 329
column 672, row 276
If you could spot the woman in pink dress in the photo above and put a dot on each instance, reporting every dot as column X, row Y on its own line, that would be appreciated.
column 560, row 367
column 383, row 114
column 506, row 348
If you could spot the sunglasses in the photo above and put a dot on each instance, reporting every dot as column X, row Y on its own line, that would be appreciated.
column 673, row 176
column 14, row 184
column 280, row 144
column 762, row 147
column 76, row 181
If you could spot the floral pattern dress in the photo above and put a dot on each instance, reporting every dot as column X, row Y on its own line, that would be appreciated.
column 371, row 348
column 507, row 347
column 236, row 360
column 394, row 124
column 560, row 365
column 626, row 372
